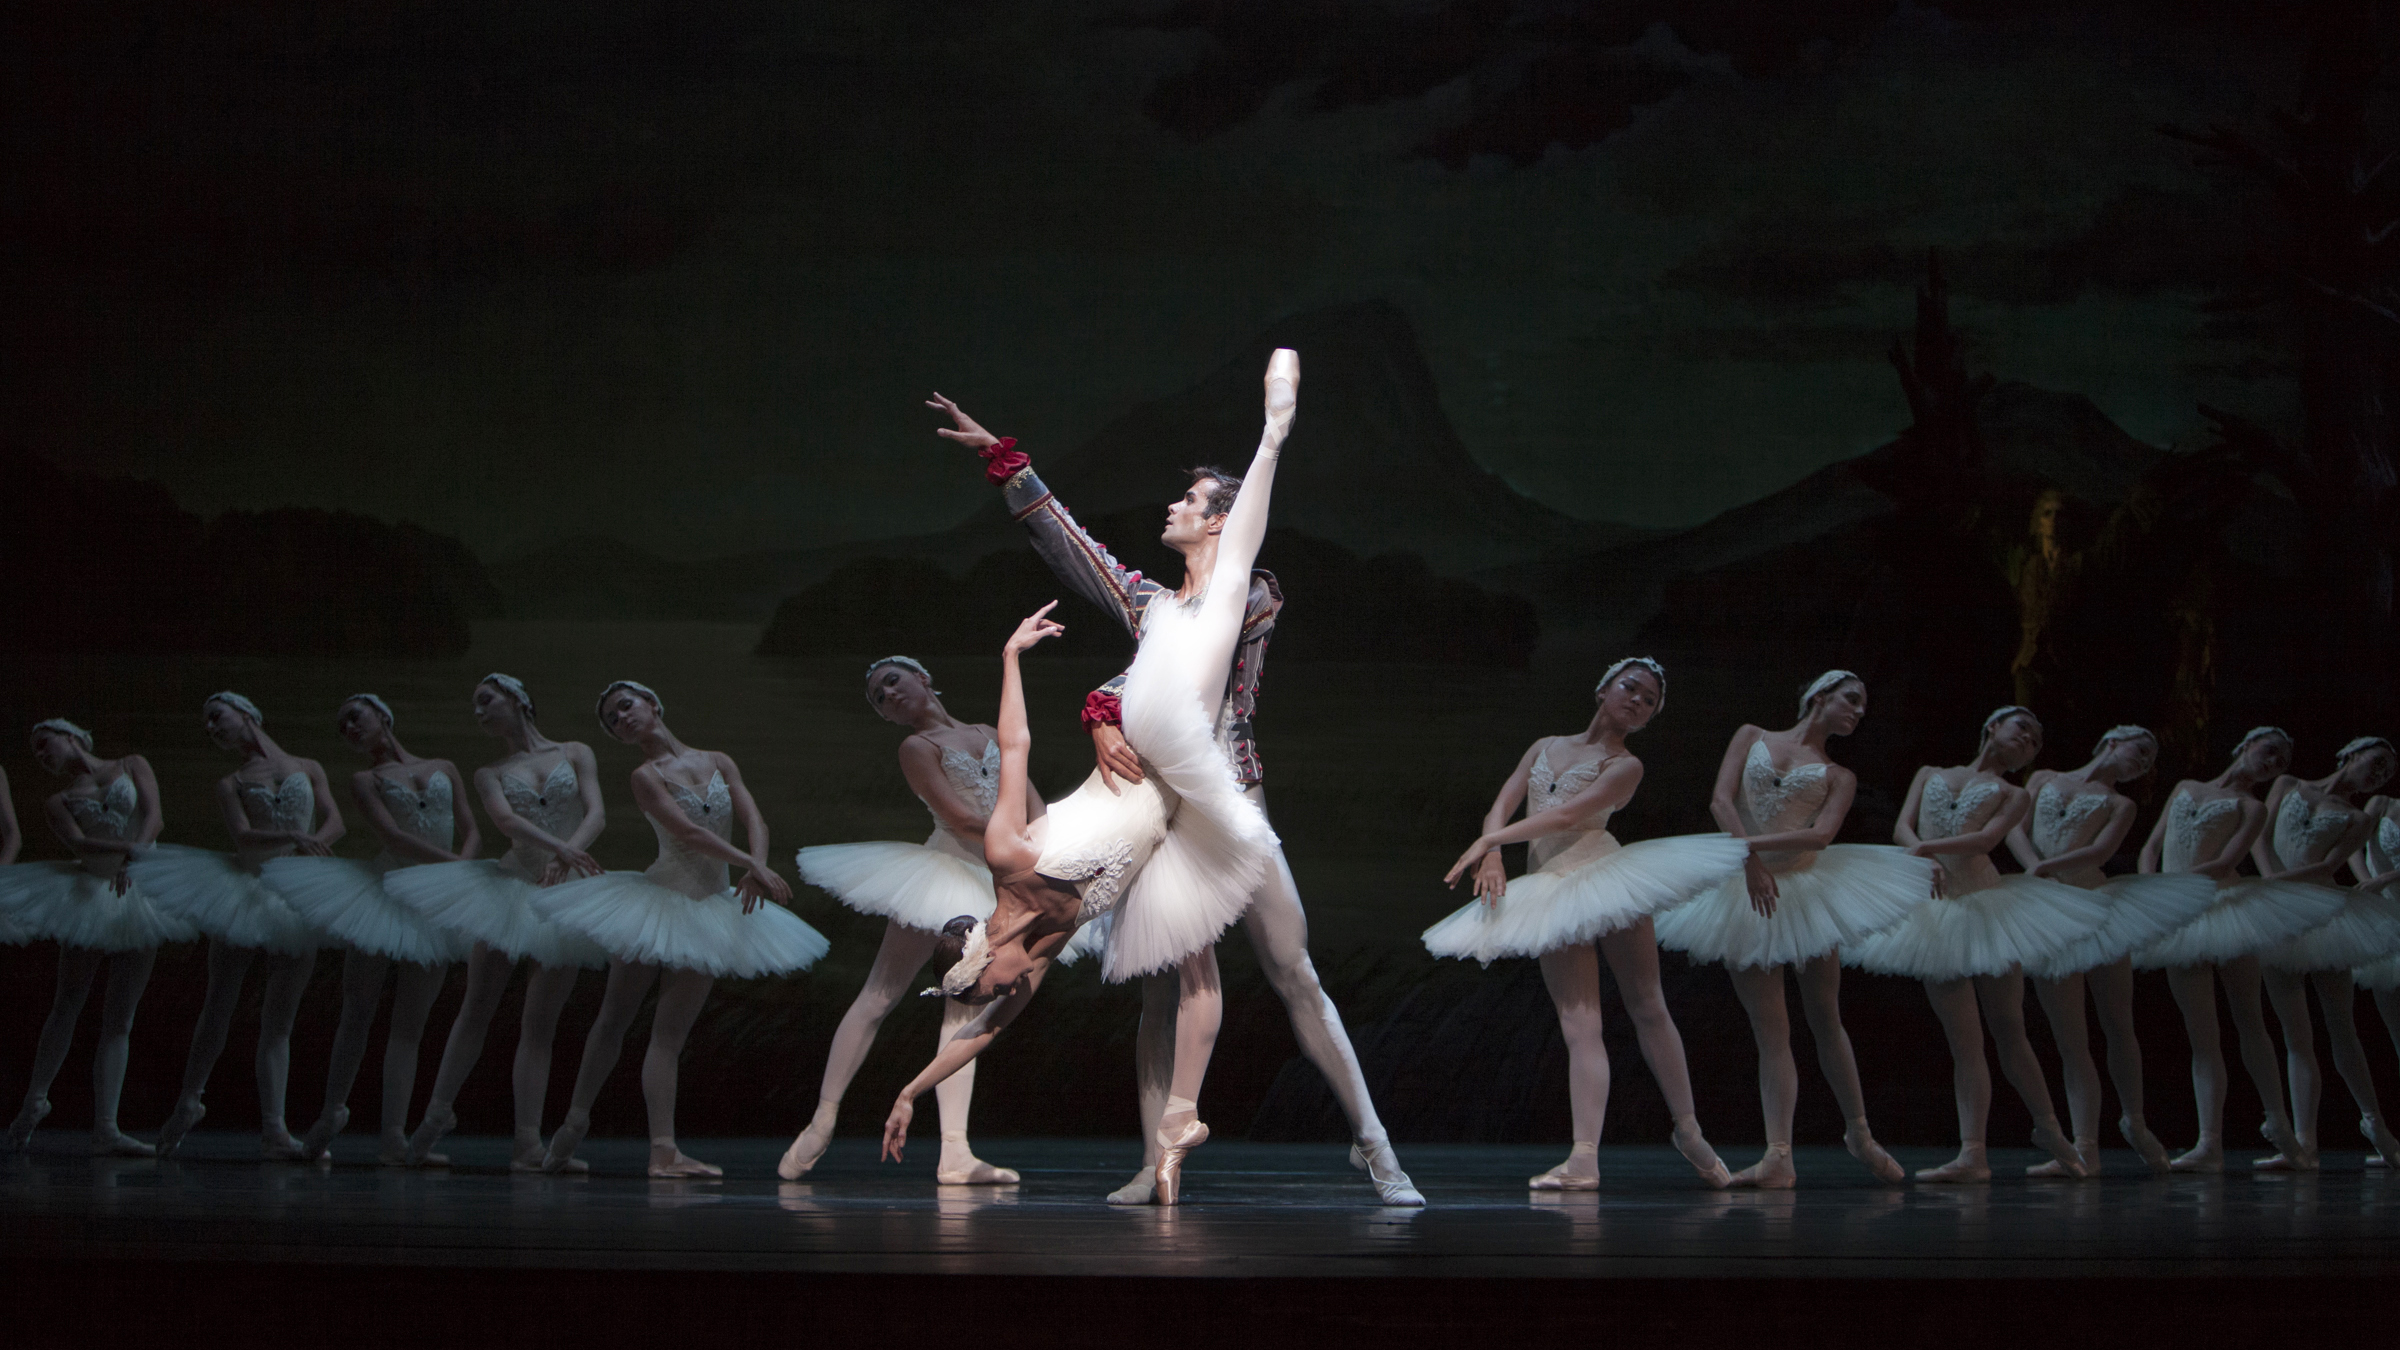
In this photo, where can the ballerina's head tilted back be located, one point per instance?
(62, 748)
(1629, 694)
(900, 690)
(632, 712)
(366, 721)
(2362, 766)
(1833, 704)
(233, 722)
(2261, 756)
(503, 707)
(2012, 739)
(2123, 755)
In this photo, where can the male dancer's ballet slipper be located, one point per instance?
(1139, 1191)
(2387, 1145)
(1861, 1142)
(2206, 1156)
(1171, 1151)
(2153, 1153)
(969, 1169)
(115, 1143)
(1580, 1172)
(1969, 1167)
(1695, 1150)
(2050, 1139)
(20, 1130)
(188, 1113)
(316, 1144)
(1772, 1172)
(438, 1121)
(1382, 1166)
(563, 1143)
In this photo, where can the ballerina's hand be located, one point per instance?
(120, 882)
(1115, 757)
(895, 1128)
(570, 864)
(1491, 880)
(969, 432)
(309, 846)
(1034, 628)
(1763, 890)
(758, 885)
(1474, 854)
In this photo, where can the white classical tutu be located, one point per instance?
(2247, 918)
(1845, 894)
(914, 885)
(2364, 930)
(68, 905)
(2383, 974)
(1217, 845)
(2017, 920)
(345, 899)
(1573, 899)
(2141, 910)
(479, 900)
(215, 894)
(633, 918)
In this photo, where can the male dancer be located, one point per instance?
(1277, 926)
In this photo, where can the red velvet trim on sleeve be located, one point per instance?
(1002, 460)
(1102, 710)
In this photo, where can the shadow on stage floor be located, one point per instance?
(1277, 1243)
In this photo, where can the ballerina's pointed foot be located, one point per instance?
(960, 1167)
(20, 1130)
(2206, 1156)
(807, 1150)
(2088, 1150)
(564, 1142)
(317, 1144)
(529, 1153)
(2050, 1139)
(1967, 1168)
(1172, 1149)
(1139, 1191)
(1772, 1172)
(438, 1121)
(2292, 1153)
(111, 1142)
(2303, 1161)
(1695, 1150)
(668, 1162)
(2387, 1146)
(1861, 1143)
(2153, 1153)
(1580, 1172)
(188, 1113)
(1382, 1166)
(276, 1144)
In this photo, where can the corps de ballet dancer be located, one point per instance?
(1582, 888)
(1799, 898)
(1971, 942)
(677, 926)
(418, 809)
(1173, 858)
(273, 805)
(1274, 920)
(2207, 828)
(544, 796)
(2377, 866)
(92, 908)
(954, 768)
(2319, 829)
(2078, 821)
(12, 840)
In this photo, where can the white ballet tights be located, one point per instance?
(2002, 1001)
(2195, 993)
(1572, 975)
(2338, 996)
(2111, 988)
(1760, 989)
(279, 1008)
(547, 989)
(681, 994)
(904, 952)
(78, 967)
(414, 991)
(2387, 1002)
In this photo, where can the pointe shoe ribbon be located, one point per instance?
(1171, 1151)
(1772, 1172)
(1395, 1190)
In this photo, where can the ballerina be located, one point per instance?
(2378, 865)
(954, 768)
(2317, 831)
(97, 916)
(11, 840)
(273, 805)
(1799, 897)
(2206, 829)
(677, 926)
(2078, 821)
(1970, 943)
(544, 795)
(1584, 887)
(417, 808)
(1187, 858)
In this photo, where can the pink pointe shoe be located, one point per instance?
(1171, 1151)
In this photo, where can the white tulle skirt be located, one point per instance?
(345, 900)
(482, 901)
(633, 918)
(2383, 974)
(215, 894)
(1591, 889)
(2014, 921)
(2364, 930)
(63, 903)
(2247, 918)
(2141, 910)
(1839, 895)
(918, 886)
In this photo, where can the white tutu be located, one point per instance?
(2141, 910)
(633, 918)
(2017, 920)
(1592, 888)
(916, 886)
(1840, 895)
(2364, 930)
(2248, 917)
(345, 899)
(68, 905)
(215, 894)
(482, 901)
(2383, 974)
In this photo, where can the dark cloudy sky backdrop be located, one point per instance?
(678, 272)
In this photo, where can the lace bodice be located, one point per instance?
(421, 815)
(107, 813)
(2304, 833)
(2197, 830)
(2063, 823)
(2383, 848)
(1771, 803)
(1547, 789)
(289, 805)
(680, 867)
(1943, 812)
(555, 807)
(975, 778)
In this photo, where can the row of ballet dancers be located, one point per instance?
(1770, 892)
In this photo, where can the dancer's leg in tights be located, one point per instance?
(955, 1095)
(1153, 1077)
(2003, 1000)
(1199, 1012)
(362, 990)
(2195, 990)
(2289, 994)
(2338, 995)
(1970, 1079)
(128, 974)
(547, 989)
(2387, 1002)
(681, 994)
(226, 966)
(903, 953)
(1572, 975)
(2241, 980)
(2112, 997)
(487, 982)
(2070, 1028)
(1820, 981)
(414, 988)
(1760, 989)
(278, 1009)
(1632, 953)
(628, 984)
(77, 968)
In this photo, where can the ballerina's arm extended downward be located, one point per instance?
(1841, 787)
(2102, 848)
(2275, 867)
(2254, 816)
(569, 857)
(1613, 788)
(366, 790)
(759, 884)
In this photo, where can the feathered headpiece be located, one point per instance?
(1645, 663)
(514, 688)
(376, 702)
(64, 728)
(236, 702)
(600, 709)
(960, 978)
(1818, 687)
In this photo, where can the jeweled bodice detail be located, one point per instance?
(108, 813)
(2063, 823)
(1943, 811)
(2197, 829)
(422, 815)
(976, 778)
(2383, 848)
(1772, 803)
(554, 806)
(681, 867)
(1547, 789)
(289, 805)
(2304, 833)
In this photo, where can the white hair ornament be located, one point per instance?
(376, 702)
(514, 688)
(2361, 746)
(600, 709)
(1645, 663)
(64, 728)
(2000, 715)
(1822, 685)
(2127, 732)
(236, 702)
(960, 979)
(2260, 734)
